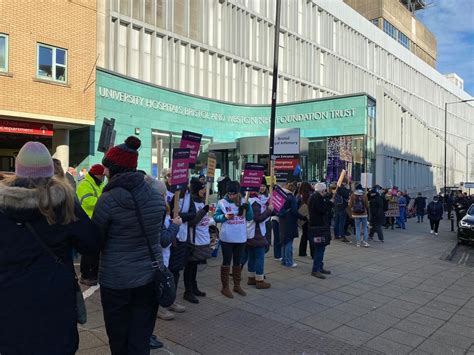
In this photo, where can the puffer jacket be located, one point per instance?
(37, 294)
(125, 261)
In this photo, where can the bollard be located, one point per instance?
(452, 224)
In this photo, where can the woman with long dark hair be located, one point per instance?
(41, 222)
(304, 193)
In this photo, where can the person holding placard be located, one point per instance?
(200, 241)
(180, 249)
(233, 213)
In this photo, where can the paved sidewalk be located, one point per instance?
(398, 297)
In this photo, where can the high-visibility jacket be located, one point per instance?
(88, 192)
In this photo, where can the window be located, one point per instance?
(405, 42)
(375, 21)
(390, 29)
(3, 52)
(52, 63)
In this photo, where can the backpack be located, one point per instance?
(358, 206)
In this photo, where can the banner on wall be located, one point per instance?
(192, 141)
(180, 169)
(287, 141)
(252, 177)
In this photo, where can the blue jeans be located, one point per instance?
(277, 247)
(318, 257)
(287, 254)
(420, 217)
(256, 260)
(401, 218)
(358, 221)
(339, 222)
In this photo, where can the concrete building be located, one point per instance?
(47, 74)
(456, 80)
(397, 19)
(221, 52)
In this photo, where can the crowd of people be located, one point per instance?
(120, 219)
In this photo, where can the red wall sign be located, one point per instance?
(23, 127)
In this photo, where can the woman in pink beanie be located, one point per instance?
(40, 223)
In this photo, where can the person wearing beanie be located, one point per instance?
(234, 214)
(359, 206)
(179, 250)
(319, 207)
(88, 193)
(127, 206)
(257, 241)
(200, 242)
(289, 217)
(41, 222)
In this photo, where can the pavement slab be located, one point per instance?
(397, 297)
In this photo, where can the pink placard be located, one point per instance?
(192, 141)
(278, 198)
(253, 176)
(180, 168)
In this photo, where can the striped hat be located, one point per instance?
(34, 161)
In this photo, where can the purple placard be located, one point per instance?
(278, 198)
(252, 177)
(192, 141)
(180, 168)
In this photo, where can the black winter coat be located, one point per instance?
(289, 216)
(38, 295)
(125, 260)
(376, 207)
(420, 205)
(435, 210)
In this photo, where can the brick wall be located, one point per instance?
(70, 24)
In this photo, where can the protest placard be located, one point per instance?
(252, 177)
(278, 198)
(192, 141)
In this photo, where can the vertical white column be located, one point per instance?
(61, 147)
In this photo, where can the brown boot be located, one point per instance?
(261, 285)
(237, 276)
(251, 281)
(225, 270)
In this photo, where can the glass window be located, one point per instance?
(405, 42)
(159, 61)
(122, 49)
(3, 52)
(195, 20)
(124, 7)
(375, 21)
(160, 13)
(390, 29)
(180, 17)
(52, 63)
(147, 56)
(149, 14)
(138, 9)
(135, 54)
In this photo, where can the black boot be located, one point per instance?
(190, 297)
(194, 285)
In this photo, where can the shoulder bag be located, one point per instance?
(319, 235)
(163, 279)
(80, 304)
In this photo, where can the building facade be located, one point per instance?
(222, 50)
(397, 19)
(47, 74)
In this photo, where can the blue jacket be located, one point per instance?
(435, 210)
(37, 294)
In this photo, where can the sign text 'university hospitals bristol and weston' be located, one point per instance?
(216, 116)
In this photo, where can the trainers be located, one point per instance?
(358, 244)
(436, 233)
(175, 307)
(278, 259)
(432, 231)
(164, 314)
(365, 244)
(293, 265)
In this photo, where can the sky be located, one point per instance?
(452, 23)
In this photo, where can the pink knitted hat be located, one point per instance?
(34, 161)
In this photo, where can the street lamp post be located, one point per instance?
(467, 161)
(446, 137)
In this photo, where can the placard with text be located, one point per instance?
(180, 169)
(252, 177)
(191, 141)
(278, 198)
(211, 167)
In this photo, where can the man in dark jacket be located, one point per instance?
(126, 275)
(341, 200)
(435, 214)
(319, 207)
(377, 214)
(420, 205)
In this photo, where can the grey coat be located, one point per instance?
(125, 260)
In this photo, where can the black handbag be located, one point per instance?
(81, 310)
(319, 235)
(163, 279)
(199, 252)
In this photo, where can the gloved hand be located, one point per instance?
(206, 208)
